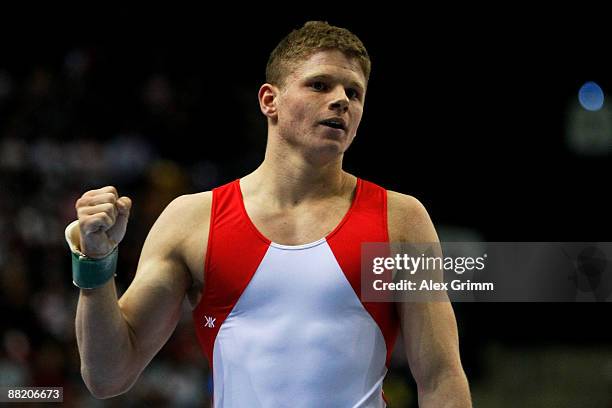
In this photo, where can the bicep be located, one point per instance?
(152, 304)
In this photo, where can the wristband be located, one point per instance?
(90, 273)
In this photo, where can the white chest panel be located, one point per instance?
(299, 337)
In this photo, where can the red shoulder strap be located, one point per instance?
(234, 252)
(367, 222)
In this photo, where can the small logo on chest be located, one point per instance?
(210, 322)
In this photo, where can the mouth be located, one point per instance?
(334, 123)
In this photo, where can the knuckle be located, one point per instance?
(109, 220)
(83, 201)
(109, 211)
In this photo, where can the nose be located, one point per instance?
(340, 101)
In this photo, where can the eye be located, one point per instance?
(318, 86)
(352, 93)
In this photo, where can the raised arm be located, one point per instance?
(429, 329)
(118, 338)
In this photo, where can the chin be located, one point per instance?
(326, 152)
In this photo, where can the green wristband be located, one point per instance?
(89, 273)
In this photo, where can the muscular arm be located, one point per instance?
(429, 329)
(118, 338)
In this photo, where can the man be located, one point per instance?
(270, 262)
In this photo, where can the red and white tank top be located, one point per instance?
(284, 326)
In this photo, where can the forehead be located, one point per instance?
(330, 62)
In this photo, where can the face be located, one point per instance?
(319, 107)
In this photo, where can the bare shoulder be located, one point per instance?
(188, 209)
(190, 218)
(176, 245)
(191, 212)
(178, 222)
(408, 219)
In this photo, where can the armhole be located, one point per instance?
(211, 229)
(385, 215)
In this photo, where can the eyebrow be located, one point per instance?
(328, 77)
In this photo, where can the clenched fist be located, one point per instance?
(103, 218)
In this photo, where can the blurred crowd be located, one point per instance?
(56, 142)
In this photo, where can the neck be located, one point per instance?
(288, 178)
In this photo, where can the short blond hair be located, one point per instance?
(314, 36)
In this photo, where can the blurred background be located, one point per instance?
(480, 118)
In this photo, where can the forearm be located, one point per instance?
(104, 341)
(450, 391)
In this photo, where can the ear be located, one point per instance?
(267, 100)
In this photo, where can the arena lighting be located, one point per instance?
(591, 96)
